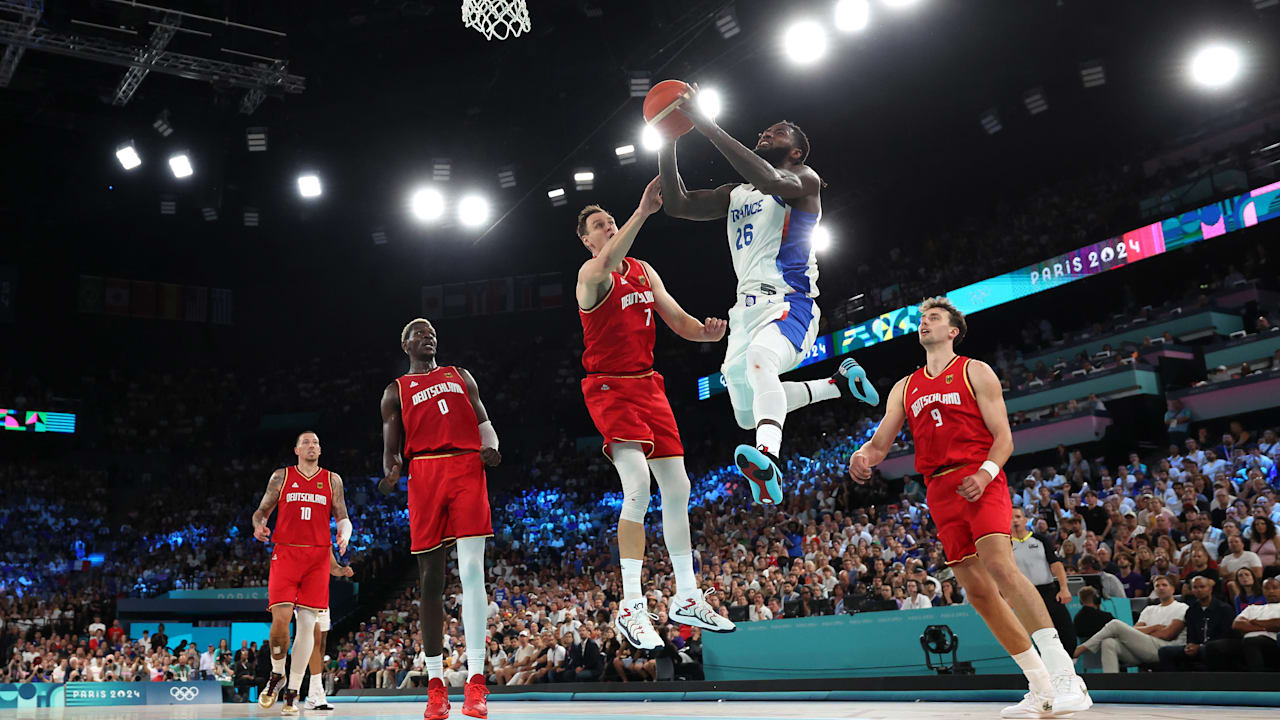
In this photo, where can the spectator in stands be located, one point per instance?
(1264, 542)
(1096, 517)
(1177, 420)
(1207, 619)
(912, 598)
(1090, 618)
(1199, 566)
(1105, 582)
(1257, 651)
(1135, 584)
(1159, 625)
(1239, 559)
(1245, 589)
(242, 674)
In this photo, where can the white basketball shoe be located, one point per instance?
(1070, 695)
(1033, 705)
(635, 623)
(692, 609)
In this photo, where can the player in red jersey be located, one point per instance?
(305, 496)
(955, 409)
(617, 297)
(432, 416)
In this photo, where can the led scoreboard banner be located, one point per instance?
(1225, 216)
(37, 421)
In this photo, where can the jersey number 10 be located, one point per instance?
(744, 236)
(305, 512)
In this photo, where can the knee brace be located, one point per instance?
(634, 473)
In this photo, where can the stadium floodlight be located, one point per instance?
(852, 15)
(427, 204)
(507, 177)
(991, 121)
(584, 180)
(805, 42)
(473, 211)
(626, 154)
(557, 197)
(821, 238)
(309, 185)
(1093, 73)
(709, 102)
(256, 139)
(441, 169)
(128, 156)
(727, 22)
(1215, 66)
(639, 82)
(168, 205)
(650, 138)
(1035, 100)
(180, 164)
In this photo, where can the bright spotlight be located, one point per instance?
(309, 186)
(473, 210)
(181, 166)
(805, 42)
(821, 239)
(852, 15)
(900, 3)
(650, 138)
(128, 157)
(1215, 66)
(709, 102)
(427, 204)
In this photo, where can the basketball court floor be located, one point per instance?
(533, 710)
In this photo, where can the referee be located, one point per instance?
(1040, 564)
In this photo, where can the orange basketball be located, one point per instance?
(658, 110)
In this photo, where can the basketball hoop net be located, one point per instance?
(499, 19)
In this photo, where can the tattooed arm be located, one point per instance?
(269, 500)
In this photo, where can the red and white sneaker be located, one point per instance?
(437, 701)
(475, 703)
(693, 610)
(635, 624)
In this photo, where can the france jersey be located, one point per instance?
(771, 245)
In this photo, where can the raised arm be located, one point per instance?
(594, 274)
(873, 451)
(269, 500)
(488, 437)
(681, 322)
(392, 438)
(689, 204)
(340, 511)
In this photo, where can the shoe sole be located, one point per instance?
(445, 716)
(627, 636)
(474, 714)
(765, 489)
(694, 622)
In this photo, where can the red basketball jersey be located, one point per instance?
(619, 331)
(437, 413)
(302, 514)
(944, 418)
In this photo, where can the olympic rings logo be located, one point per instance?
(184, 693)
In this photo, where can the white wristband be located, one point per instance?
(344, 530)
(991, 468)
(488, 437)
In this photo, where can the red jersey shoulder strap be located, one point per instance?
(964, 372)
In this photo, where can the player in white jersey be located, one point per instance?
(773, 324)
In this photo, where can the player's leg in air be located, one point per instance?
(762, 400)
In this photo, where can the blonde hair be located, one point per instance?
(404, 333)
(957, 317)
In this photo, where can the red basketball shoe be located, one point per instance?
(475, 705)
(437, 701)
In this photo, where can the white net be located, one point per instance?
(500, 19)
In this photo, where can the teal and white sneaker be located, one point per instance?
(859, 386)
(762, 473)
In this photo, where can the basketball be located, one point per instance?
(659, 110)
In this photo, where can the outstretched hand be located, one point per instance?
(693, 110)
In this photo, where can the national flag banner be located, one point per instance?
(116, 298)
(142, 299)
(502, 295)
(432, 301)
(221, 314)
(455, 300)
(478, 298)
(526, 292)
(550, 290)
(169, 301)
(195, 303)
(91, 293)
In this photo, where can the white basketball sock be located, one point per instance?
(1033, 667)
(475, 662)
(435, 667)
(1054, 655)
(631, 579)
(277, 665)
(317, 687)
(800, 394)
(686, 581)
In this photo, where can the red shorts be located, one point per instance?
(299, 576)
(962, 523)
(633, 409)
(448, 499)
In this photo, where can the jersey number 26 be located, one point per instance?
(744, 237)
